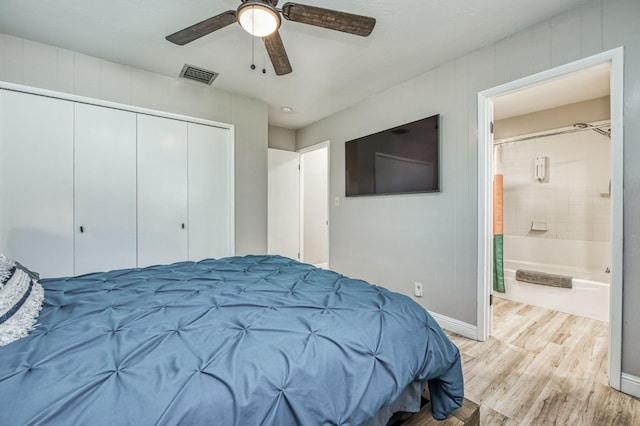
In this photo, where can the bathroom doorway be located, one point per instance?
(552, 193)
(534, 222)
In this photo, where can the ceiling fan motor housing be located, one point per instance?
(272, 3)
(258, 17)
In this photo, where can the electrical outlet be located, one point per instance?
(417, 289)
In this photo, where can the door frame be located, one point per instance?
(485, 194)
(302, 152)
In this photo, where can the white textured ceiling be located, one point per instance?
(331, 70)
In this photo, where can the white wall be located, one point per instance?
(48, 67)
(396, 240)
(570, 199)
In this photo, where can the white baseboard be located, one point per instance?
(630, 385)
(456, 326)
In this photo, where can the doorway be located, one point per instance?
(283, 203)
(298, 204)
(486, 103)
(314, 205)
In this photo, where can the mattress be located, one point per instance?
(236, 341)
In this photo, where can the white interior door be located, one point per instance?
(283, 211)
(210, 193)
(314, 166)
(162, 190)
(36, 182)
(105, 189)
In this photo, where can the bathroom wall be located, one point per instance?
(573, 199)
(597, 109)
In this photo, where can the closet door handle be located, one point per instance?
(183, 226)
(81, 229)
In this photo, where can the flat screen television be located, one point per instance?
(401, 160)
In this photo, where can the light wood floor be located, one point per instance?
(542, 367)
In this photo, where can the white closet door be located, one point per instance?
(36, 182)
(210, 192)
(105, 189)
(162, 190)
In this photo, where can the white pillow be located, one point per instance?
(21, 299)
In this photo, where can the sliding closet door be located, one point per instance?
(162, 190)
(210, 192)
(105, 189)
(36, 182)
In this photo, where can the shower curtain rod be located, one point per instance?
(553, 133)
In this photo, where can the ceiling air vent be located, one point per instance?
(198, 74)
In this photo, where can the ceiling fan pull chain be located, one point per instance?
(253, 46)
(253, 38)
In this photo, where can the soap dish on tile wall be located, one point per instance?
(539, 226)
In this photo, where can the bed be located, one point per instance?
(247, 340)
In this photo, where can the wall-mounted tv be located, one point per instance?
(401, 160)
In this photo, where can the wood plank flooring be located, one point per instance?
(542, 367)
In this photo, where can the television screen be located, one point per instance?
(400, 160)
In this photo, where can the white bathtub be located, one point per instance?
(585, 261)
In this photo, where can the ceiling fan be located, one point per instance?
(261, 18)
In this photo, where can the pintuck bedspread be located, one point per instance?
(236, 341)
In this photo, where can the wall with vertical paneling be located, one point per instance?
(432, 238)
(48, 67)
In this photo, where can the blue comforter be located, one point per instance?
(237, 341)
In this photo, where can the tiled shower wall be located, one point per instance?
(572, 200)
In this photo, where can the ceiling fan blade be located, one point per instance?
(330, 19)
(276, 52)
(203, 28)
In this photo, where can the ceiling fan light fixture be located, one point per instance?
(258, 19)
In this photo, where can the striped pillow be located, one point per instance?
(21, 299)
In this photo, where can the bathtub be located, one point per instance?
(585, 261)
